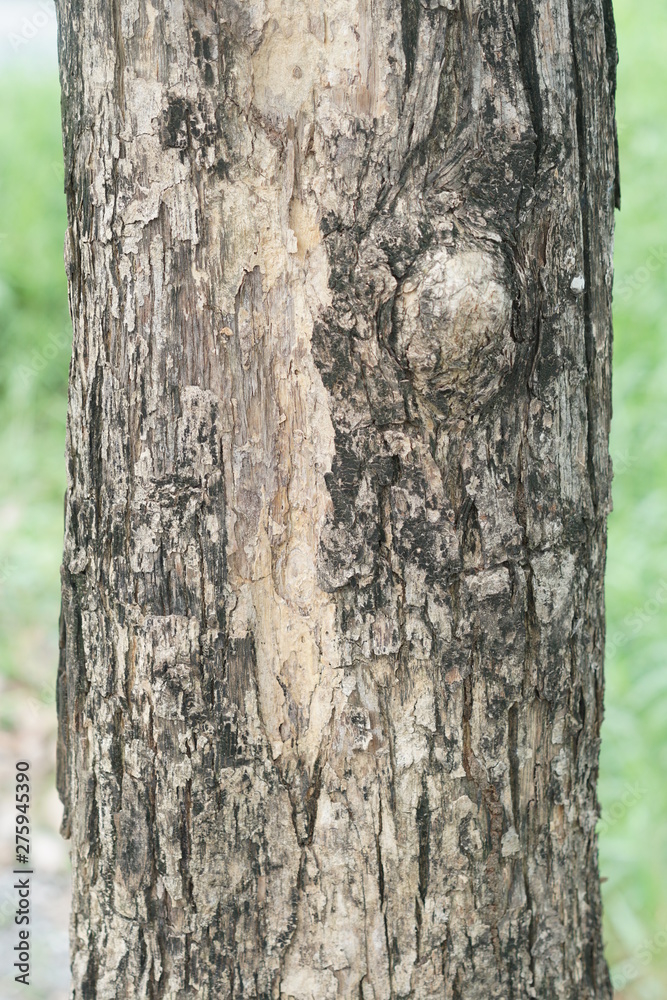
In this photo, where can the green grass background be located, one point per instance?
(34, 353)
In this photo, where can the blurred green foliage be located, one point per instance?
(633, 789)
(35, 339)
(34, 352)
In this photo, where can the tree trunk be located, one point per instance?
(332, 631)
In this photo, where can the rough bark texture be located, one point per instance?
(332, 630)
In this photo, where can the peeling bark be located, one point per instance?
(332, 630)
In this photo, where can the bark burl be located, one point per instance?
(332, 627)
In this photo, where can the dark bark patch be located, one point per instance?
(424, 832)
(176, 124)
(409, 29)
(240, 664)
(525, 17)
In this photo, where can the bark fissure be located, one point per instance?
(528, 62)
(587, 269)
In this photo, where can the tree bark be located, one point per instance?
(332, 625)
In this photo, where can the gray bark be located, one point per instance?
(332, 626)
